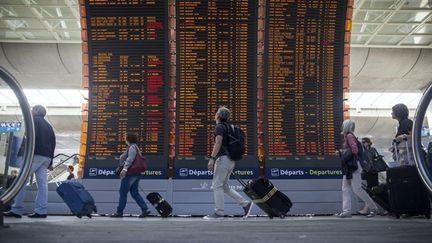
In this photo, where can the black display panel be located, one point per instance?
(304, 74)
(128, 67)
(216, 61)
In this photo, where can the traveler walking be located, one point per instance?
(222, 166)
(351, 181)
(45, 143)
(130, 183)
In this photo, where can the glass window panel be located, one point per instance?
(418, 40)
(425, 29)
(409, 16)
(397, 29)
(386, 40)
(8, 34)
(417, 4)
(355, 39)
(364, 28)
(371, 16)
(381, 4)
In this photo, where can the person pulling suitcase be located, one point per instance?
(222, 162)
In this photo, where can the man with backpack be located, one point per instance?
(228, 147)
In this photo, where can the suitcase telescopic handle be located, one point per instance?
(240, 180)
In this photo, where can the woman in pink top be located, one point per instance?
(351, 181)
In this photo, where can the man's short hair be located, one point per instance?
(223, 113)
(39, 110)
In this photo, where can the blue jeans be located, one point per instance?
(39, 168)
(130, 184)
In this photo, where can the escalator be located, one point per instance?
(16, 139)
(422, 138)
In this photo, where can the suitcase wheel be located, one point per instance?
(271, 217)
(282, 216)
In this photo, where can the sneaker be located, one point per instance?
(344, 215)
(37, 216)
(116, 215)
(362, 213)
(11, 214)
(247, 209)
(144, 214)
(371, 214)
(213, 216)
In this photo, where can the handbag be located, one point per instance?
(348, 160)
(138, 166)
(379, 164)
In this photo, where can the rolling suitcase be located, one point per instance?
(407, 194)
(266, 196)
(380, 195)
(77, 198)
(162, 206)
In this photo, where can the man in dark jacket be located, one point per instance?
(45, 143)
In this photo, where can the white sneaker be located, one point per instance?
(213, 216)
(344, 215)
(247, 209)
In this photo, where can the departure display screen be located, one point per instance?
(216, 51)
(127, 42)
(304, 48)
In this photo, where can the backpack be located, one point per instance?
(236, 142)
(364, 157)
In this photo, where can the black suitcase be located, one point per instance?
(77, 198)
(162, 206)
(266, 196)
(407, 194)
(380, 195)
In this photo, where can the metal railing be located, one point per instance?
(62, 162)
(16, 186)
(420, 160)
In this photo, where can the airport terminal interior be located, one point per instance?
(291, 73)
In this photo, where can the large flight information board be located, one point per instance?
(128, 50)
(216, 51)
(304, 48)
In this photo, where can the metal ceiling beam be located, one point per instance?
(387, 19)
(32, 18)
(391, 46)
(391, 34)
(40, 5)
(73, 9)
(44, 22)
(395, 10)
(417, 28)
(391, 23)
(40, 29)
(358, 7)
(38, 41)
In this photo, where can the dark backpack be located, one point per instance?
(365, 158)
(236, 142)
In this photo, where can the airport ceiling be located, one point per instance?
(376, 23)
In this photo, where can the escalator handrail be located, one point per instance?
(417, 143)
(63, 161)
(57, 165)
(29, 142)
